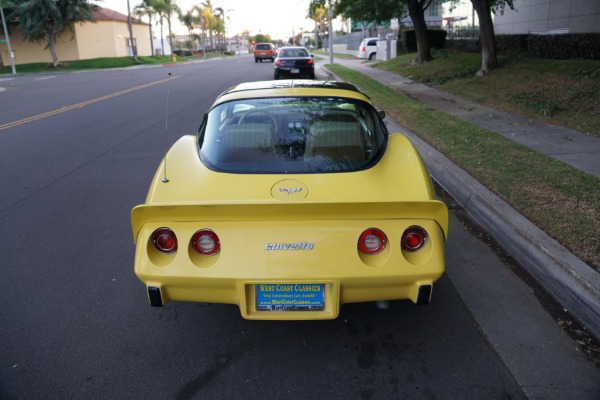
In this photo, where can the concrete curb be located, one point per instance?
(571, 281)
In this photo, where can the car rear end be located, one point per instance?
(297, 262)
(264, 51)
(368, 49)
(294, 68)
(290, 203)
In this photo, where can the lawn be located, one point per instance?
(561, 200)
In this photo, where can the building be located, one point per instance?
(107, 37)
(549, 16)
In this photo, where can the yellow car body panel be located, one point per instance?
(274, 234)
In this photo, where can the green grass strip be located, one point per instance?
(560, 199)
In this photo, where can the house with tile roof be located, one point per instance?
(107, 37)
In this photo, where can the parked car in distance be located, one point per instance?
(264, 51)
(294, 62)
(368, 48)
(291, 200)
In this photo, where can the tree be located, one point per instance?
(188, 21)
(165, 9)
(319, 15)
(44, 20)
(203, 18)
(384, 10)
(210, 20)
(487, 37)
(146, 8)
(220, 26)
(416, 10)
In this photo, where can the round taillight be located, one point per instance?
(413, 238)
(206, 242)
(164, 240)
(372, 241)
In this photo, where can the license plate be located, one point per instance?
(290, 297)
(295, 71)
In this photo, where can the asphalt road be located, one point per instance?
(77, 152)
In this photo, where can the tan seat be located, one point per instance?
(247, 142)
(336, 140)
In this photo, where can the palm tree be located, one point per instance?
(187, 20)
(220, 26)
(165, 9)
(158, 7)
(146, 8)
(204, 19)
(210, 20)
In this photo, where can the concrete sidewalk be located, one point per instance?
(571, 281)
(575, 148)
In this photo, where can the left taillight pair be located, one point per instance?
(373, 240)
(204, 241)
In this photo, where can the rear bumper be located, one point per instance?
(264, 56)
(243, 293)
(287, 72)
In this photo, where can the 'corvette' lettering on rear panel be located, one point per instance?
(289, 246)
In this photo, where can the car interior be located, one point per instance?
(293, 138)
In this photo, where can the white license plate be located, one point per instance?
(295, 71)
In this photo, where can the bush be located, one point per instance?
(437, 39)
(182, 53)
(552, 46)
(564, 47)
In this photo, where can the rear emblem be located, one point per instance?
(289, 190)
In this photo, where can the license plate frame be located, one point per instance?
(295, 297)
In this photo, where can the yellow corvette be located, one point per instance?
(291, 200)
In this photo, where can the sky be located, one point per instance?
(276, 18)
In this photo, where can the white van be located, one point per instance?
(368, 48)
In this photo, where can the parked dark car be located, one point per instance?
(294, 62)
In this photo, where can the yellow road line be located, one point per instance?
(80, 105)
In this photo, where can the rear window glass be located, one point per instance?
(293, 53)
(263, 47)
(292, 135)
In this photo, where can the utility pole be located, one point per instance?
(131, 42)
(10, 52)
(330, 34)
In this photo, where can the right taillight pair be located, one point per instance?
(373, 240)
